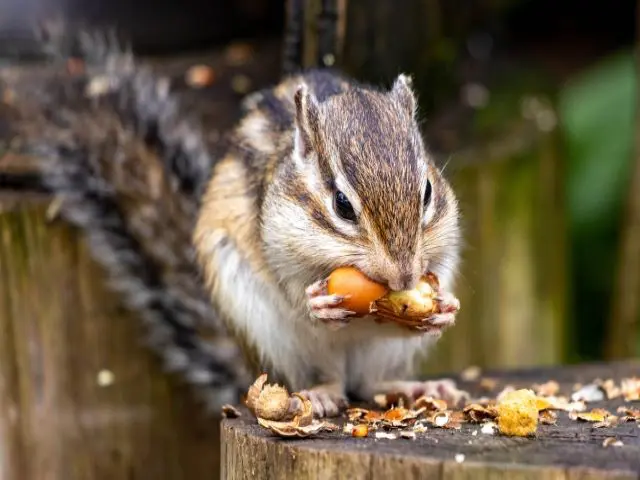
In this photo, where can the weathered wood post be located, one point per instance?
(569, 450)
(80, 397)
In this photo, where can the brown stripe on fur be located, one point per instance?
(326, 173)
(376, 143)
(296, 189)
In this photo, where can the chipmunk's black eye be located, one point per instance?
(427, 194)
(343, 206)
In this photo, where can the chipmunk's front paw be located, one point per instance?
(448, 306)
(325, 307)
(437, 323)
(447, 303)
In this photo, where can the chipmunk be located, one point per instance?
(324, 172)
(225, 257)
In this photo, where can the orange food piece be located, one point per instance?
(359, 289)
(360, 431)
(396, 414)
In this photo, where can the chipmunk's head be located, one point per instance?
(364, 187)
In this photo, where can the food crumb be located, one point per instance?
(548, 417)
(518, 413)
(588, 393)
(630, 389)
(441, 419)
(420, 428)
(105, 378)
(612, 442)
(408, 434)
(360, 431)
(488, 428)
(595, 415)
(547, 389)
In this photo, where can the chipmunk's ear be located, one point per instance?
(307, 119)
(402, 92)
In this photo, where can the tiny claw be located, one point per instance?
(326, 307)
(447, 303)
(325, 401)
(324, 302)
(441, 319)
(316, 289)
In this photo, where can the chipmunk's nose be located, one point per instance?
(402, 281)
(397, 274)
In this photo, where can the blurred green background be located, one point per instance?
(597, 110)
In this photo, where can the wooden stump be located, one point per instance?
(570, 450)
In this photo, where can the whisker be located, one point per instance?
(446, 164)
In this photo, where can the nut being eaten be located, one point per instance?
(364, 296)
(410, 307)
